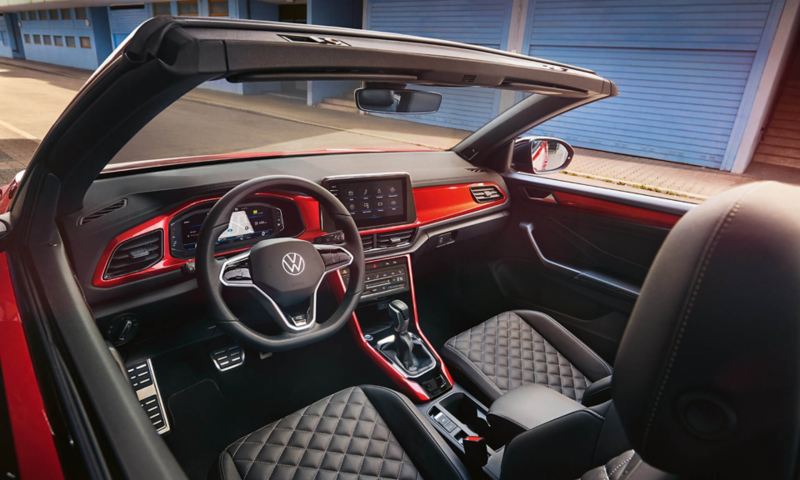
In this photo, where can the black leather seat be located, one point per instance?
(524, 347)
(360, 432)
(706, 379)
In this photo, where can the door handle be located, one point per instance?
(597, 279)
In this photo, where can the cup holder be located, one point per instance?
(460, 416)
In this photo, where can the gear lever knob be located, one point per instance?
(399, 314)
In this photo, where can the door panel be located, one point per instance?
(580, 253)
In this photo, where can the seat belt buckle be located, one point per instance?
(476, 453)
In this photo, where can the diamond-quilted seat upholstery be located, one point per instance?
(523, 347)
(360, 432)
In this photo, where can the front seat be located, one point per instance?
(359, 432)
(524, 347)
(707, 378)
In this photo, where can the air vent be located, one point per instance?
(485, 194)
(103, 211)
(368, 241)
(135, 255)
(477, 170)
(394, 239)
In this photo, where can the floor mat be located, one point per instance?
(203, 422)
(209, 409)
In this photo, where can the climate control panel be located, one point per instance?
(383, 278)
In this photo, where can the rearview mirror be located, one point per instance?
(541, 155)
(386, 100)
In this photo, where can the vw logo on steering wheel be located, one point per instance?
(293, 263)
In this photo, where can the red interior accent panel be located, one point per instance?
(33, 440)
(409, 386)
(442, 202)
(433, 204)
(307, 206)
(628, 212)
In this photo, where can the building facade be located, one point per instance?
(695, 78)
(699, 81)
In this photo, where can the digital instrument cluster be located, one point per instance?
(249, 222)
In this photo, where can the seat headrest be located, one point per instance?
(707, 375)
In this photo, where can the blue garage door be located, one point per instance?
(479, 22)
(683, 69)
(123, 19)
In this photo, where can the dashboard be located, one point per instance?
(142, 226)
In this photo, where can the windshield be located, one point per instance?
(289, 117)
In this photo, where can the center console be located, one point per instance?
(386, 327)
(385, 323)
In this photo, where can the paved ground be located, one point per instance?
(33, 95)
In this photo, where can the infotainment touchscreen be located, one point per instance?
(375, 201)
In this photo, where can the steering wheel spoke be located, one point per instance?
(334, 257)
(235, 271)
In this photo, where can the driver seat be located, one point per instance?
(359, 432)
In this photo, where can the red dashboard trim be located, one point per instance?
(443, 202)
(628, 212)
(433, 204)
(33, 438)
(307, 206)
(411, 388)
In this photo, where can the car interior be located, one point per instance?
(240, 318)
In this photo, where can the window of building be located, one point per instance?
(80, 13)
(47, 39)
(58, 40)
(37, 39)
(218, 8)
(43, 15)
(23, 15)
(70, 41)
(187, 8)
(3, 37)
(86, 42)
(53, 14)
(27, 38)
(66, 14)
(162, 8)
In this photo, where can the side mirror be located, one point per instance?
(385, 100)
(541, 155)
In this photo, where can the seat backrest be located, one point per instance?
(707, 375)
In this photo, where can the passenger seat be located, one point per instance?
(524, 347)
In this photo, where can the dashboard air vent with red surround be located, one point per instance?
(394, 239)
(397, 238)
(368, 241)
(135, 255)
(484, 194)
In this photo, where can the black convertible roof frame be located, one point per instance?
(166, 57)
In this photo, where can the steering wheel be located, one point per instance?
(285, 273)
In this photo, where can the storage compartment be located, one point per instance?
(468, 412)
(460, 415)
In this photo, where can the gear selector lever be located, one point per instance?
(400, 315)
